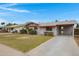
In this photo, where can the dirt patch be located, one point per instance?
(23, 38)
(5, 33)
(9, 35)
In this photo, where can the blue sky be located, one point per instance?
(38, 12)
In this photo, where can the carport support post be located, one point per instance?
(73, 32)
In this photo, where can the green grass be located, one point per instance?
(23, 42)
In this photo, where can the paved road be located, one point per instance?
(58, 46)
(7, 51)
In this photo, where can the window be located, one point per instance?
(62, 27)
(48, 28)
(62, 32)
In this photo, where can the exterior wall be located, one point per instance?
(40, 31)
(18, 29)
(54, 30)
(9, 29)
(68, 30)
(31, 25)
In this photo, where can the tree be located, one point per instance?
(9, 24)
(14, 24)
(77, 25)
(2, 23)
(56, 20)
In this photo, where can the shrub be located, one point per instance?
(23, 31)
(48, 33)
(31, 31)
(76, 31)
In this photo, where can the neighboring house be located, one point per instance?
(31, 25)
(57, 28)
(13, 28)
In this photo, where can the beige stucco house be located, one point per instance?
(58, 28)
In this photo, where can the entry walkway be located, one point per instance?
(57, 46)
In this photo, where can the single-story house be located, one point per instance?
(57, 28)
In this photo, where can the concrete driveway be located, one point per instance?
(57, 46)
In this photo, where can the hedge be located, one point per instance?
(23, 31)
(31, 31)
(76, 31)
(48, 33)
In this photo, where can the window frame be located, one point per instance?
(48, 28)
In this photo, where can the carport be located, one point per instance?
(65, 29)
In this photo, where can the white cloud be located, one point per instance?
(11, 4)
(8, 5)
(4, 7)
(16, 10)
(34, 20)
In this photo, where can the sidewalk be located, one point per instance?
(7, 51)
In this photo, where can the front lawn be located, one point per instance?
(23, 42)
